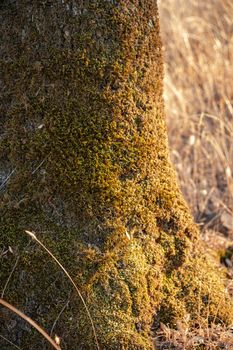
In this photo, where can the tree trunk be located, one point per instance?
(84, 163)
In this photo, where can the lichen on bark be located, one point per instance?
(84, 130)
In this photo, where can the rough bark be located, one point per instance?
(84, 163)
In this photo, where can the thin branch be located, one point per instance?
(31, 322)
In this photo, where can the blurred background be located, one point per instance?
(198, 48)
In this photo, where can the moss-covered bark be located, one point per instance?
(84, 163)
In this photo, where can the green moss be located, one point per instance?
(196, 291)
(86, 135)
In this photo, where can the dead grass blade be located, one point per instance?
(33, 236)
(59, 315)
(31, 322)
(10, 342)
(8, 280)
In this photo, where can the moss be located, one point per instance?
(86, 135)
(196, 291)
(36, 287)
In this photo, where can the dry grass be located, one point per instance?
(198, 44)
(31, 322)
(214, 337)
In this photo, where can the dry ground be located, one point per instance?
(198, 49)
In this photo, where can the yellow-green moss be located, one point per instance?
(86, 135)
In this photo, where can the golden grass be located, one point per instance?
(198, 44)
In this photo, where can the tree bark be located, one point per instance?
(85, 164)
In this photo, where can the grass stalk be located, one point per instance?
(31, 322)
(33, 236)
